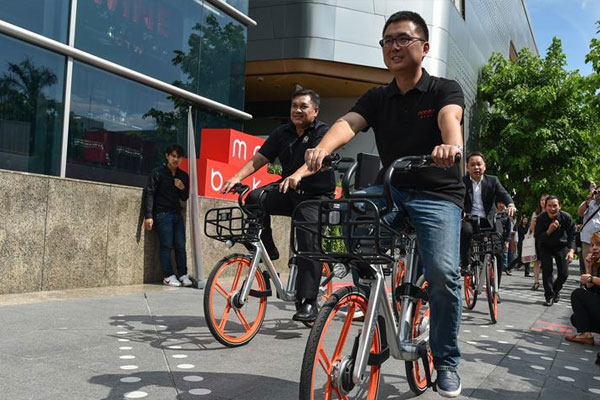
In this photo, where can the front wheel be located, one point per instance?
(491, 289)
(416, 370)
(329, 358)
(230, 325)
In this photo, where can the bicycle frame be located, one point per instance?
(401, 347)
(260, 253)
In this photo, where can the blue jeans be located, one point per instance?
(437, 224)
(171, 235)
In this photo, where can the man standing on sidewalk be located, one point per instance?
(167, 187)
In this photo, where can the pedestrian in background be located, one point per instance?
(585, 300)
(590, 223)
(167, 188)
(555, 231)
(537, 263)
(521, 230)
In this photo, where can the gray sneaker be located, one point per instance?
(448, 383)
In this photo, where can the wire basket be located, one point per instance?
(354, 225)
(231, 223)
(486, 243)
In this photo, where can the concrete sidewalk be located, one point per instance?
(152, 342)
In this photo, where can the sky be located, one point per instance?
(572, 21)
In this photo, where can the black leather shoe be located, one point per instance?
(307, 313)
(557, 297)
(448, 383)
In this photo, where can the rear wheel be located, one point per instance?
(328, 358)
(490, 289)
(325, 291)
(230, 325)
(470, 288)
(416, 370)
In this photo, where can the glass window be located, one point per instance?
(46, 17)
(31, 107)
(119, 129)
(188, 43)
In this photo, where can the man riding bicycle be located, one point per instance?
(418, 114)
(483, 192)
(288, 143)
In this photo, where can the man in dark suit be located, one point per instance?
(482, 194)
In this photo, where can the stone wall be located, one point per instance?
(64, 234)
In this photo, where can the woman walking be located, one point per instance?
(537, 263)
(555, 232)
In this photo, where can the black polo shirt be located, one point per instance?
(285, 144)
(407, 125)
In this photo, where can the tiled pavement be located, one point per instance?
(152, 342)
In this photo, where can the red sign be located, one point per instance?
(228, 146)
(222, 153)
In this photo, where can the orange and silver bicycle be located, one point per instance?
(481, 273)
(236, 292)
(343, 357)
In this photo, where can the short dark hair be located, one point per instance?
(408, 16)
(552, 197)
(175, 148)
(314, 96)
(475, 154)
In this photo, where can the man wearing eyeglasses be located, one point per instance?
(418, 114)
(288, 143)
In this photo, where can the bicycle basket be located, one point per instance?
(486, 243)
(347, 231)
(230, 223)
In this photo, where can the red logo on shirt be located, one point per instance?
(426, 113)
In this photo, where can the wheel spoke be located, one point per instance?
(344, 333)
(224, 317)
(236, 280)
(221, 290)
(324, 360)
(242, 319)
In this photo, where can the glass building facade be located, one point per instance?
(114, 129)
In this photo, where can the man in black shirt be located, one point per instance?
(418, 114)
(288, 144)
(167, 187)
(555, 232)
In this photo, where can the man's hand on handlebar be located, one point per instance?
(291, 182)
(229, 184)
(314, 158)
(444, 154)
(511, 210)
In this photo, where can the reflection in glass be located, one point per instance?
(151, 36)
(31, 107)
(119, 129)
(241, 5)
(110, 138)
(46, 17)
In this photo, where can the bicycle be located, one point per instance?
(241, 283)
(482, 267)
(340, 359)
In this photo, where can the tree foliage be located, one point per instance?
(539, 125)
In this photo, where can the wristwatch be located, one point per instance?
(591, 279)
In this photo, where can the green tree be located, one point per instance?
(538, 126)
